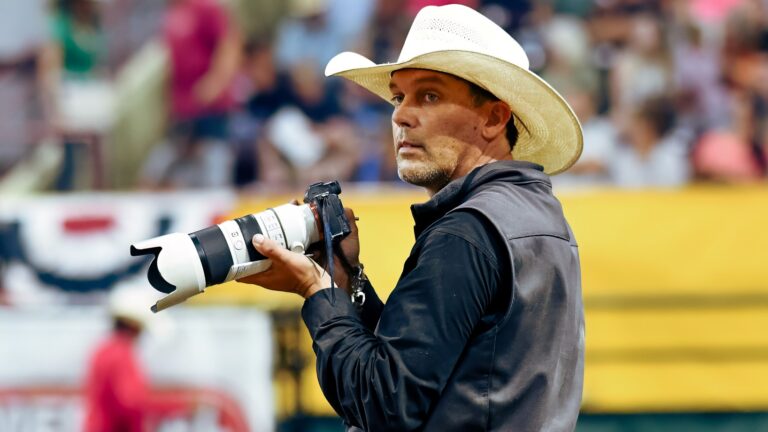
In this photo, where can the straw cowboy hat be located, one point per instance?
(457, 40)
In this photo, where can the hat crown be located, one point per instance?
(459, 28)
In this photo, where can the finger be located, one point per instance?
(270, 248)
(256, 279)
(350, 214)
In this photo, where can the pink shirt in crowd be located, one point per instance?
(193, 29)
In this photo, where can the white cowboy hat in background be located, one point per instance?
(132, 304)
(460, 41)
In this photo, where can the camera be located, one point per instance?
(185, 264)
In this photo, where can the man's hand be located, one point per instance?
(290, 271)
(350, 247)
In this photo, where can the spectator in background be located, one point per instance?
(722, 156)
(351, 18)
(643, 70)
(117, 394)
(310, 139)
(600, 140)
(28, 79)
(506, 14)
(371, 116)
(569, 70)
(566, 43)
(263, 91)
(655, 153)
(86, 102)
(726, 153)
(386, 32)
(308, 36)
(745, 54)
(698, 79)
(294, 132)
(205, 51)
(81, 40)
(270, 88)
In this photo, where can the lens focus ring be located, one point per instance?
(249, 226)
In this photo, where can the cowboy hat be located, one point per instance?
(131, 304)
(458, 40)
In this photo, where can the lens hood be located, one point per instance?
(175, 270)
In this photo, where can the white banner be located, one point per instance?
(69, 248)
(221, 354)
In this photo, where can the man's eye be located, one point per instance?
(397, 99)
(431, 97)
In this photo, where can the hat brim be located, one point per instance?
(549, 132)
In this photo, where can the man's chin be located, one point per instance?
(410, 171)
(419, 173)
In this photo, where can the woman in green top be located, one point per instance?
(77, 29)
(85, 95)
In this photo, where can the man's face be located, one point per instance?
(436, 127)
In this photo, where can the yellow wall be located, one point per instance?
(676, 295)
(675, 287)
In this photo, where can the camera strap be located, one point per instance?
(328, 242)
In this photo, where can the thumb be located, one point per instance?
(269, 248)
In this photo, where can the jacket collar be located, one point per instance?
(457, 191)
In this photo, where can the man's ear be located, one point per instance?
(499, 114)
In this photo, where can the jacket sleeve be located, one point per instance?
(389, 380)
(371, 310)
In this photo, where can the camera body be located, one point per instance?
(185, 264)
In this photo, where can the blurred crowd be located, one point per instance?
(667, 91)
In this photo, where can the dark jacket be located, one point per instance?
(485, 328)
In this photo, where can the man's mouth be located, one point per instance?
(407, 145)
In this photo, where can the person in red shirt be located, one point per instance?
(204, 49)
(117, 393)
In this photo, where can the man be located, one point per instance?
(484, 330)
(117, 394)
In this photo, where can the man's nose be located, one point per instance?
(404, 115)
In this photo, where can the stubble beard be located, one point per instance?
(423, 173)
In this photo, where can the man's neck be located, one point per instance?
(483, 159)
